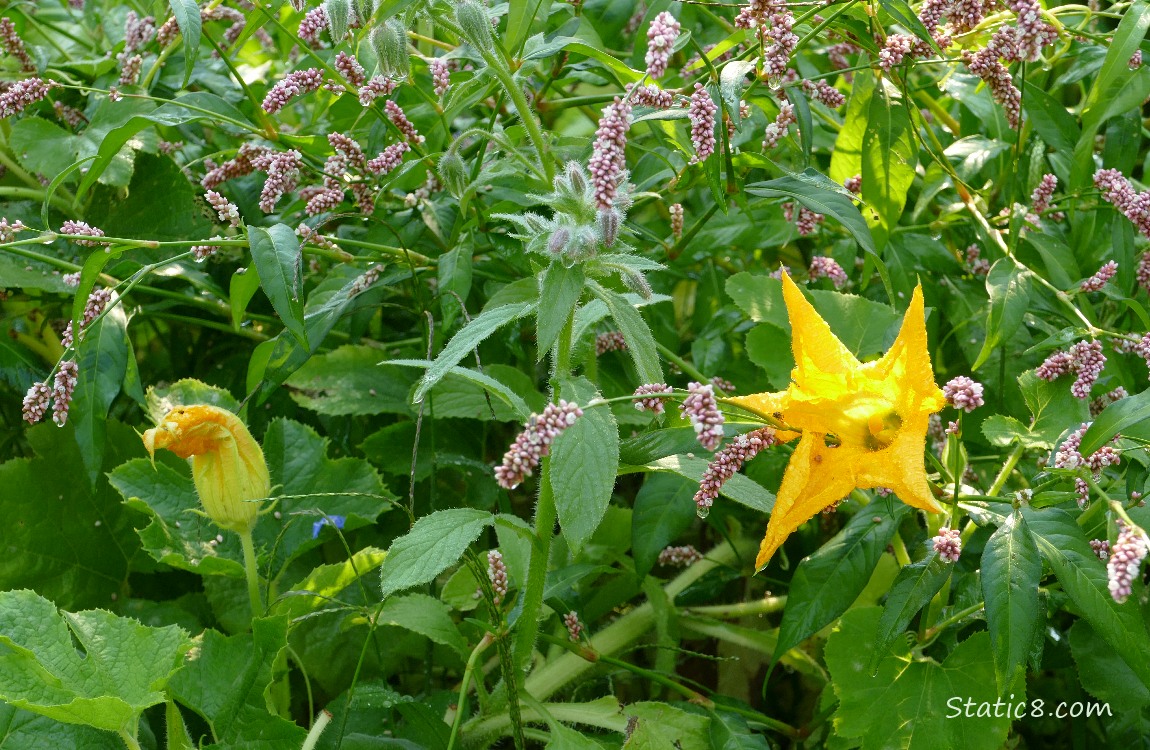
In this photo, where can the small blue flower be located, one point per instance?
(336, 521)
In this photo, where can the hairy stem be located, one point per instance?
(251, 572)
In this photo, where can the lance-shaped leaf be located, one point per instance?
(1011, 571)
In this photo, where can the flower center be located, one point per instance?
(870, 422)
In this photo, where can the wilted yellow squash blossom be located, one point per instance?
(228, 465)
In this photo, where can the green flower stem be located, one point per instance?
(251, 573)
(568, 667)
(658, 678)
(1004, 474)
(464, 686)
(557, 674)
(683, 365)
(931, 633)
(527, 628)
(765, 606)
(900, 553)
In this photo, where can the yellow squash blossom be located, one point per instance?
(862, 425)
(228, 466)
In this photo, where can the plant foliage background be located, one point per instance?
(387, 233)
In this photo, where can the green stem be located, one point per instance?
(129, 740)
(765, 606)
(251, 572)
(685, 366)
(464, 686)
(956, 617)
(528, 625)
(317, 728)
(1004, 474)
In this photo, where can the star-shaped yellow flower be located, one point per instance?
(863, 425)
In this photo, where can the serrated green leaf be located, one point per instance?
(1002, 430)
(1083, 577)
(122, 670)
(828, 581)
(659, 726)
(664, 509)
(435, 543)
(425, 615)
(561, 287)
(922, 702)
(24, 730)
(1011, 572)
(454, 274)
(481, 326)
(1104, 674)
(276, 253)
(226, 682)
(584, 462)
(915, 585)
(42, 146)
(729, 731)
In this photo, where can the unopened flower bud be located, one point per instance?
(452, 173)
(558, 241)
(609, 226)
(475, 23)
(390, 44)
(228, 466)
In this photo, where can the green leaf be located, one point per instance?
(227, 682)
(1052, 406)
(187, 15)
(1049, 118)
(454, 275)
(241, 289)
(435, 543)
(426, 616)
(461, 376)
(481, 326)
(161, 399)
(324, 583)
(124, 122)
(1114, 419)
(520, 15)
(1083, 577)
(864, 326)
(889, 157)
(276, 253)
(1105, 98)
(739, 488)
(561, 287)
(122, 670)
(1011, 573)
(1103, 673)
(102, 356)
(818, 193)
(161, 204)
(828, 581)
(732, 79)
(1001, 431)
(915, 585)
(1009, 300)
(640, 341)
(68, 540)
(43, 146)
(659, 726)
(349, 380)
(565, 738)
(664, 509)
(922, 702)
(24, 730)
(769, 347)
(729, 731)
(909, 20)
(846, 157)
(584, 462)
